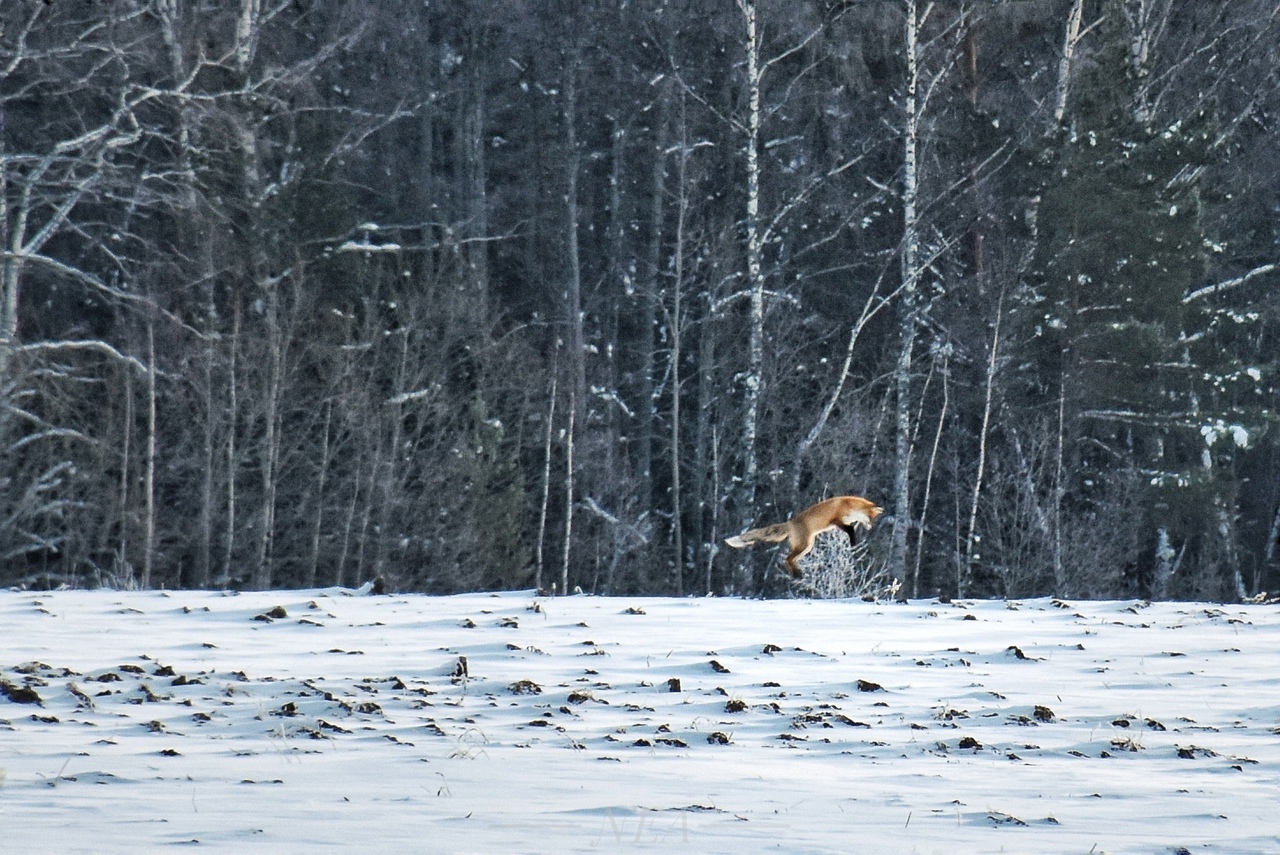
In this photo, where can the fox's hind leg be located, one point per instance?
(798, 551)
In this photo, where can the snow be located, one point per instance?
(338, 726)
(1220, 429)
(366, 247)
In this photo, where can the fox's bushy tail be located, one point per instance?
(768, 534)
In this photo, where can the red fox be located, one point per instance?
(840, 512)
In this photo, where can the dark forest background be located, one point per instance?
(469, 294)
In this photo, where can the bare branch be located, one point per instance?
(96, 345)
(1229, 284)
(794, 49)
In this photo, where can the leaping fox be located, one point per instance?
(846, 513)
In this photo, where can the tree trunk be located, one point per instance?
(1059, 493)
(349, 521)
(706, 457)
(568, 498)
(149, 476)
(1143, 27)
(272, 394)
(126, 476)
(755, 275)
(208, 458)
(614, 484)
(10, 242)
(1069, 40)
(676, 325)
(907, 306)
(368, 507)
(322, 476)
(651, 297)
(928, 481)
(1273, 539)
(233, 418)
(971, 555)
(388, 494)
(546, 477)
(476, 168)
(573, 295)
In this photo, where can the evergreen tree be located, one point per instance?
(1120, 244)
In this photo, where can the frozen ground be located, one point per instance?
(140, 721)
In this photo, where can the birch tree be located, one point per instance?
(908, 305)
(50, 173)
(752, 377)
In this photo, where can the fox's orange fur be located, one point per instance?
(845, 513)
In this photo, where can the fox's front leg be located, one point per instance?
(852, 531)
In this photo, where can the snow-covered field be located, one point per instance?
(504, 723)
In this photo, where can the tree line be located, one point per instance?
(561, 293)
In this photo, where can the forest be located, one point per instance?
(455, 295)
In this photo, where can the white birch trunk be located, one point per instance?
(653, 304)
(755, 277)
(1059, 492)
(546, 478)
(676, 329)
(126, 444)
(907, 307)
(204, 557)
(1144, 28)
(476, 168)
(933, 462)
(10, 242)
(573, 301)
(1069, 41)
(568, 498)
(271, 441)
(577, 336)
(971, 553)
(233, 414)
(149, 476)
(247, 33)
